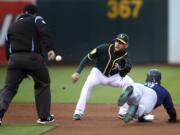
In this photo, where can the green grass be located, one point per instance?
(61, 77)
(26, 129)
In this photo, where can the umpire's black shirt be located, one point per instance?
(24, 35)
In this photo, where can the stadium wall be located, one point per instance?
(174, 32)
(78, 26)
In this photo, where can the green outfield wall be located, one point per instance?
(80, 25)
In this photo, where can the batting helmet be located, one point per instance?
(153, 76)
(122, 38)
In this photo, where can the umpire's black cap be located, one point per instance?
(30, 9)
(122, 38)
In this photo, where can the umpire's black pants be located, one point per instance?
(19, 66)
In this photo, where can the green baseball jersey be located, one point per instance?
(107, 60)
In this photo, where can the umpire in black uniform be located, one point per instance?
(24, 43)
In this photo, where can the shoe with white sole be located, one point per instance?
(47, 120)
(76, 117)
(121, 116)
(146, 118)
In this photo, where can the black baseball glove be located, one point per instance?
(124, 66)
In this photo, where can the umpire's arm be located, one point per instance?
(7, 44)
(46, 38)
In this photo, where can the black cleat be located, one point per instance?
(49, 119)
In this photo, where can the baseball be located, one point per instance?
(58, 58)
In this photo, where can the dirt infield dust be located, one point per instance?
(100, 119)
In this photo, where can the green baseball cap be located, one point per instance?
(122, 38)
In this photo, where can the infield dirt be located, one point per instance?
(100, 119)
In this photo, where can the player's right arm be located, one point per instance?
(75, 76)
(89, 57)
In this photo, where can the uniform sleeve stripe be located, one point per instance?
(38, 17)
(89, 57)
(6, 38)
(33, 46)
(10, 49)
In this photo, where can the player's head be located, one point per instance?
(121, 42)
(153, 76)
(122, 38)
(30, 9)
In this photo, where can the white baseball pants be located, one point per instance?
(97, 78)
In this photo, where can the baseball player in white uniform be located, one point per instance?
(111, 66)
(142, 99)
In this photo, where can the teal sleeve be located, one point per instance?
(82, 64)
